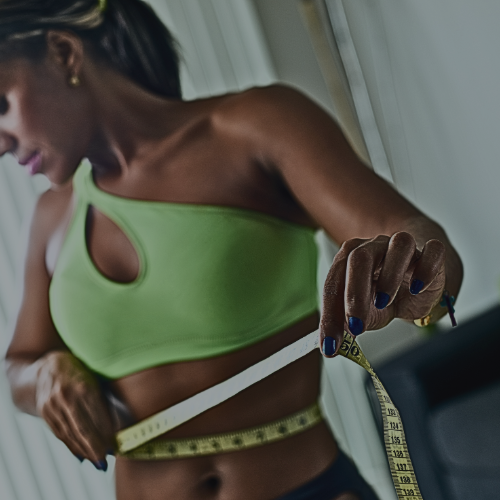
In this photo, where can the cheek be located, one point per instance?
(49, 120)
(27, 116)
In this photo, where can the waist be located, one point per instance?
(285, 392)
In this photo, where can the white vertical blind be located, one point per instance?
(359, 91)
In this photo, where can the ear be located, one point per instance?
(66, 50)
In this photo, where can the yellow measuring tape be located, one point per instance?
(230, 441)
(400, 464)
(132, 442)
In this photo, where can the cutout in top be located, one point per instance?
(110, 249)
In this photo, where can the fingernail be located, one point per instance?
(381, 300)
(97, 465)
(110, 452)
(103, 465)
(355, 325)
(329, 346)
(416, 287)
(80, 458)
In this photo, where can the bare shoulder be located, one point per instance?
(259, 114)
(262, 103)
(276, 94)
(274, 118)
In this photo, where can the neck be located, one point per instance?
(129, 122)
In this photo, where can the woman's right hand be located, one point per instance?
(69, 399)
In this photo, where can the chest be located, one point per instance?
(218, 274)
(204, 174)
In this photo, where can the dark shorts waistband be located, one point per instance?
(341, 477)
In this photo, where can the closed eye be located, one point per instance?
(4, 105)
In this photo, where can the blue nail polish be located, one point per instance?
(103, 465)
(80, 458)
(355, 325)
(381, 300)
(329, 346)
(110, 452)
(97, 465)
(416, 287)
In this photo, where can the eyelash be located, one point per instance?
(4, 105)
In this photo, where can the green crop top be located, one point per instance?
(212, 280)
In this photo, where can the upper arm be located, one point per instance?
(35, 333)
(300, 141)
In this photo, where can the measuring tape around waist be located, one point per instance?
(230, 441)
(402, 472)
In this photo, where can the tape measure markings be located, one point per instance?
(231, 441)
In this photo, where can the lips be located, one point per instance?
(33, 163)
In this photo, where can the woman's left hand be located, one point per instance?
(373, 281)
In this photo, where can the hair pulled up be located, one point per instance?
(126, 34)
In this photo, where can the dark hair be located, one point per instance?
(127, 34)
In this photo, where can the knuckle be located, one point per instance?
(360, 254)
(333, 286)
(381, 238)
(403, 239)
(349, 245)
(436, 246)
(80, 389)
(66, 393)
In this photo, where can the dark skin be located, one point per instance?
(270, 150)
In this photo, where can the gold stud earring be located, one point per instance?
(75, 81)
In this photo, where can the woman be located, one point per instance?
(183, 253)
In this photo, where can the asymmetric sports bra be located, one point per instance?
(212, 280)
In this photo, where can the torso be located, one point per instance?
(205, 163)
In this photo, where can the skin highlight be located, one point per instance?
(269, 150)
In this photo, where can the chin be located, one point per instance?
(60, 177)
